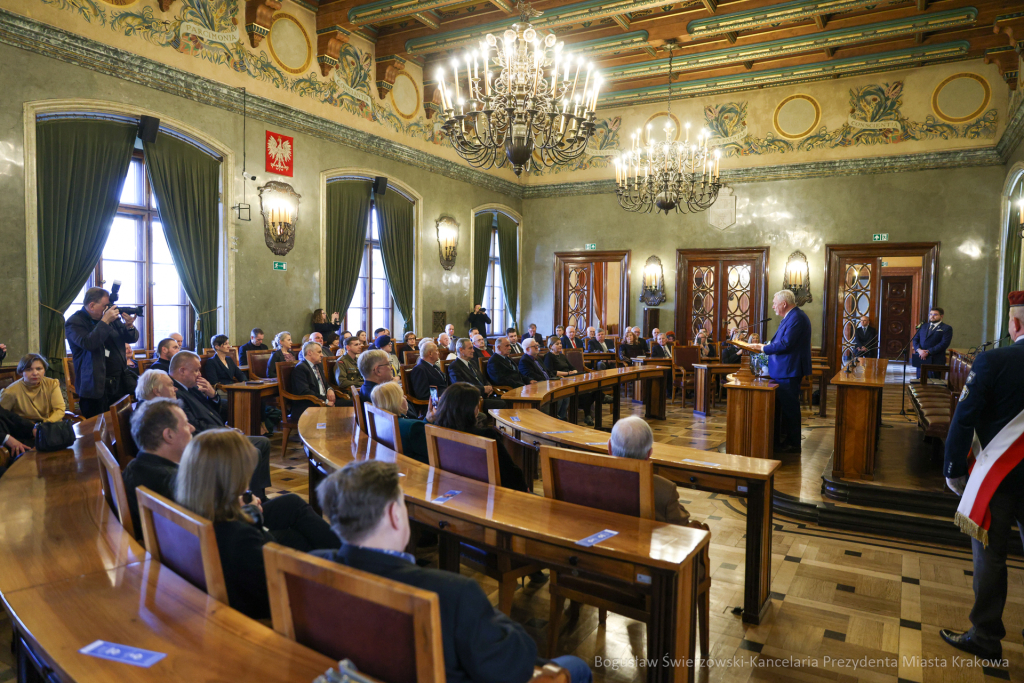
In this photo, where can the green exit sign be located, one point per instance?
(880, 237)
(590, 247)
(280, 265)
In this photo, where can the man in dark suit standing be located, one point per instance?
(465, 368)
(365, 505)
(930, 342)
(992, 407)
(789, 361)
(865, 339)
(97, 334)
(500, 368)
(426, 373)
(308, 380)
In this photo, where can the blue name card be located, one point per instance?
(125, 654)
(440, 500)
(597, 538)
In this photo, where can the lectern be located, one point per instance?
(858, 414)
(750, 418)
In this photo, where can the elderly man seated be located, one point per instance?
(633, 438)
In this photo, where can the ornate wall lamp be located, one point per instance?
(447, 240)
(279, 204)
(653, 291)
(798, 278)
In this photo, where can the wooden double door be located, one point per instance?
(592, 288)
(718, 290)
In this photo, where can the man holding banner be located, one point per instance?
(990, 415)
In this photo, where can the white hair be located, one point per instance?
(309, 344)
(425, 343)
(529, 343)
(785, 295)
(146, 387)
(632, 438)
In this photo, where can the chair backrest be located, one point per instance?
(410, 357)
(258, 362)
(622, 485)
(448, 361)
(144, 363)
(382, 427)
(69, 380)
(357, 403)
(329, 363)
(8, 376)
(284, 378)
(121, 431)
(685, 356)
(183, 541)
(398, 638)
(575, 357)
(112, 486)
(467, 455)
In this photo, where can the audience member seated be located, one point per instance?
(630, 347)
(466, 369)
(701, 340)
(558, 366)
(501, 369)
(391, 398)
(458, 409)
(255, 343)
(328, 330)
(641, 342)
(671, 337)
(210, 482)
(165, 351)
(426, 373)
(660, 347)
(559, 332)
(384, 343)
(366, 508)
(161, 431)
(633, 438)
(375, 367)
(346, 371)
(3, 352)
(282, 352)
(307, 380)
(730, 353)
(531, 331)
(131, 371)
(16, 434)
(35, 397)
(222, 369)
(600, 345)
(202, 408)
(379, 331)
(449, 331)
(515, 348)
(362, 337)
(480, 347)
(129, 355)
(409, 343)
(154, 384)
(570, 341)
(530, 369)
(444, 345)
(316, 338)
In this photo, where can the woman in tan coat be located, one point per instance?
(35, 396)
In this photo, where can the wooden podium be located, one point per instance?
(858, 414)
(750, 417)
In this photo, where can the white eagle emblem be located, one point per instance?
(280, 152)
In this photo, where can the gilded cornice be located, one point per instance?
(787, 46)
(376, 12)
(1013, 136)
(774, 15)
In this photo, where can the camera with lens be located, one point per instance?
(137, 311)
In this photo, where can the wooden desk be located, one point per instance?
(647, 389)
(858, 414)
(70, 575)
(753, 478)
(645, 554)
(542, 393)
(704, 374)
(245, 404)
(750, 418)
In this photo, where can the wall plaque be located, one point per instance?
(722, 213)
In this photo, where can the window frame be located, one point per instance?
(366, 278)
(494, 288)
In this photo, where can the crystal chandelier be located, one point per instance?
(538, 102)
(668, 175)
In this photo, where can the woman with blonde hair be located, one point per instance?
(630, 348)
(282, 346)
(213, 476)
(391, 398)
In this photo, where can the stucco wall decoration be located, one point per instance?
(289, 44)
(796, 116)
(961, 97)
(730, 133)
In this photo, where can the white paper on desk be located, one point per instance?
(321, 425)
(596, 443)
(701, 462)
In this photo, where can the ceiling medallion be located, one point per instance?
(539, 102)
(676, 175)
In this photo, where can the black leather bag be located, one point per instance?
(54, 436)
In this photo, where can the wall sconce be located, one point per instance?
(279, 204)
(798, 278)
(653, 291)
(447, 240)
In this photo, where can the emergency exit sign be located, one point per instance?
(880, 237)
(590, 247)
(280, 265)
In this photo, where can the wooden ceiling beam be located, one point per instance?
(922, 5)
(820, 20)
(710, 5)
(621, 21)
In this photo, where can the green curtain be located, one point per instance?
(81, 166)
(483, 225)
(397, 247)
(186, 182)
(508, 252)
(348, 213)
(1011, 266)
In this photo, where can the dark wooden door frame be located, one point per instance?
(758, 299)
(831, 305)
(569, 257)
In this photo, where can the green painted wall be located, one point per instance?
(959, 208)
(272, 300)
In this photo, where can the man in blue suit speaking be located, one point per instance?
(789, 361)
(930, 342)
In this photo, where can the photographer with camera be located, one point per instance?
(478, 319)
(97, 334)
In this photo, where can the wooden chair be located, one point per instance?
(120, 426)
(329, 364)
(284, 376)
(383, 428)
(476, 457)
(575, 358)
(410, 357)
(399, 632)
(8, 376)
(112, 486)
(421, 404)
(683, 358)
(144, 364)
(258, 362)
(448, 361)
(624, 486)
(69, 382)
(182, 541)
(357, 403)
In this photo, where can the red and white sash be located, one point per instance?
(991, 465)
